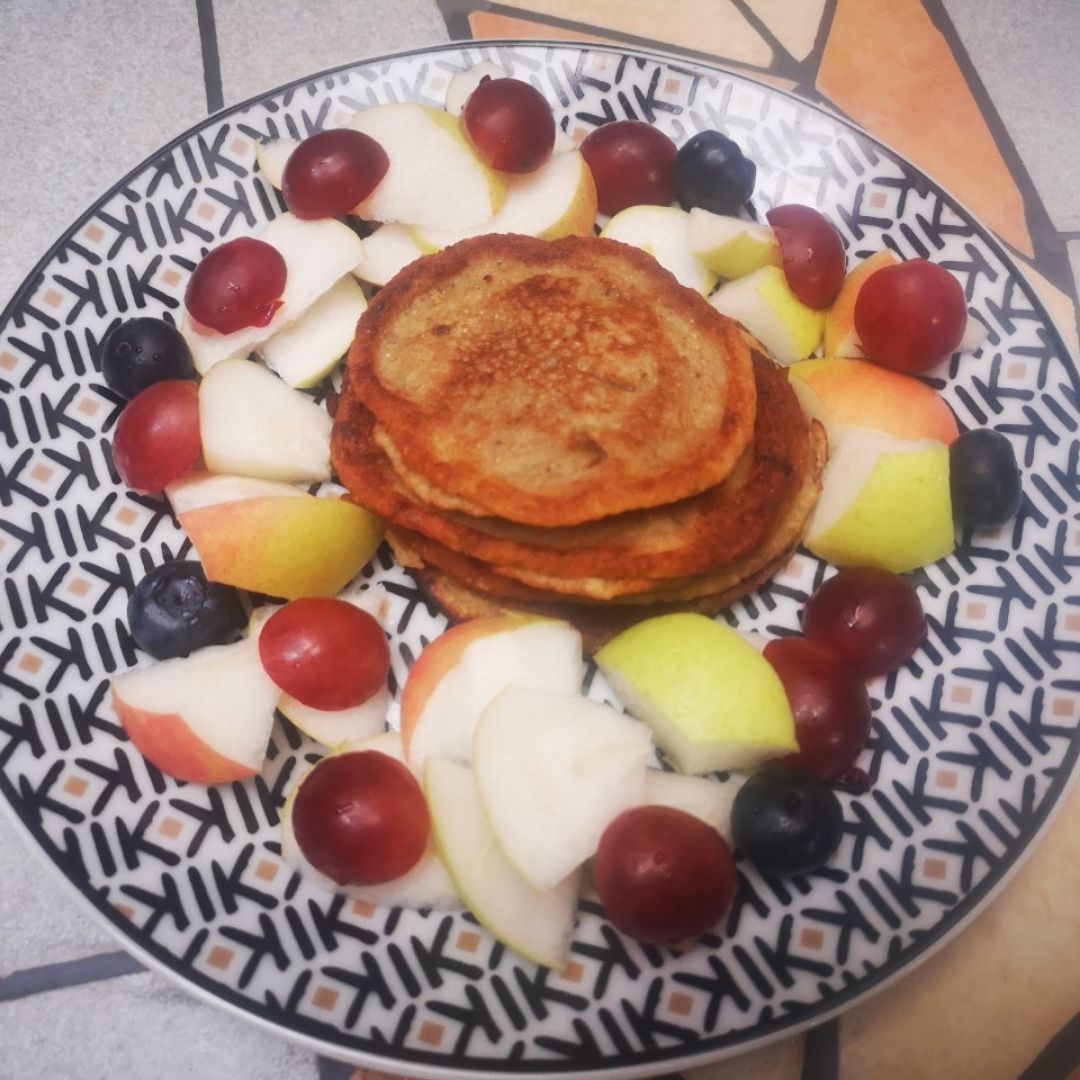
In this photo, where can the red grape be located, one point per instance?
(633, 163)
(360, 818)
(829, 702)
(236, 285)
(509, 124)
(663, 875)
(157, 436)
(326, 653)
(812, 253)
(911, 316)
(332, 172)
(872, 619)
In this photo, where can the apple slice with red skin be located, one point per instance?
(811, 253)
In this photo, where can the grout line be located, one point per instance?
(66, 974)
(211, 60)
(821, 1052)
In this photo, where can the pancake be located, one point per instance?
(717, 526)
(550, 383)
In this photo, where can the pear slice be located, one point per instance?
(389, 249)
(317, 254)
(712, 701)
(537, 923)
(664, 232)
(434, 177)
(307, 350)
(706, 799)
(272, 157)
(731, 247)
(553, 772)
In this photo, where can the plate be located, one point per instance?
(972, 746)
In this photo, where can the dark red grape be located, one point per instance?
(911, 316)
(143, 351)
(786, 820)
(811, 252)
(326, 653)
(360, 818)
(633, 164)
(662, 875)
(236, 285)
(984, 479)
(174, 610)
(712, 172)
(509, 124)
(332, 172)
(829, 703)
(872, 619)
(157, 436)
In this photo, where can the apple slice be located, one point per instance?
(205, 718)
(533, 922)
(272, 156)
(198, 489)
(553, 772)
(710, 698)
(253, 424)
(289, 546)
(317, 254)
(426, 885)
(840, 336)
(884, 502)
(458, 675)
(766, 306)
(307, 350)
(434, 178)
(664, 232)
(731, 247)
(708, 800)
(387, 250)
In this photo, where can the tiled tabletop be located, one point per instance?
(90, 90)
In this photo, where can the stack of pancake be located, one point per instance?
(559, 427)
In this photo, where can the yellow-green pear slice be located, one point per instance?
(272, 157)
(884, 502)
(388, 250)
(712, 701)
(730, 246)
(764, 303)
(700, 796)
(537, 923)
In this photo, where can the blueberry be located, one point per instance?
(984, 479)
(786, 820)
(174, 610)
(712, 172)
(140, 352)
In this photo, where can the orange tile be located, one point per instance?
(205, 210)
(811, 937)
(680, 1004)
(947, 780)
(170, 827)
(220, 957)
(935, 869)
(1072, 622)
(363, 908)
(431, 1033)
(1016, 370)
(878, 199)
(93, 233)
(961, 695)
(976, 609)
(88, 406)
(484, 24)
(126, 910)
(468, 941)
(889, 68)
(267, 870)
(1064, 707)
(31, 663)
(239, 146)
(79, 587)
(573, 972)
(325, 998)
(42, 473)
(53, 298)
(8, 361)
(172, 276)
(75, 785)
(126, 516)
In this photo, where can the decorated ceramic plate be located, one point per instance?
(972, 745)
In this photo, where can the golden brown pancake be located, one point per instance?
(717, 526)
(551, 382)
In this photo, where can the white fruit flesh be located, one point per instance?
(388, 250)
(317, 254)
(553, 772)
(536, 923)
(662, 231)
(434, 178)
(208, 489)
(253, 424)
(540, 655)
(729, 246)
(308, 349)
(708, 800)
(272, 157)
(337, 727)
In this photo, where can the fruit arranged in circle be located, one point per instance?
(236, 285)
(174, 610)
(870, 618)
(712, 172)
(142, 351)
(911, 316)
(360, 817)
(332, 172)
(829, 703)
(984, 479)
(326, 653)
(786, 820)
(509, 124)
(633, 163)
(157, 436)
(811, 253)
(662, 875)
